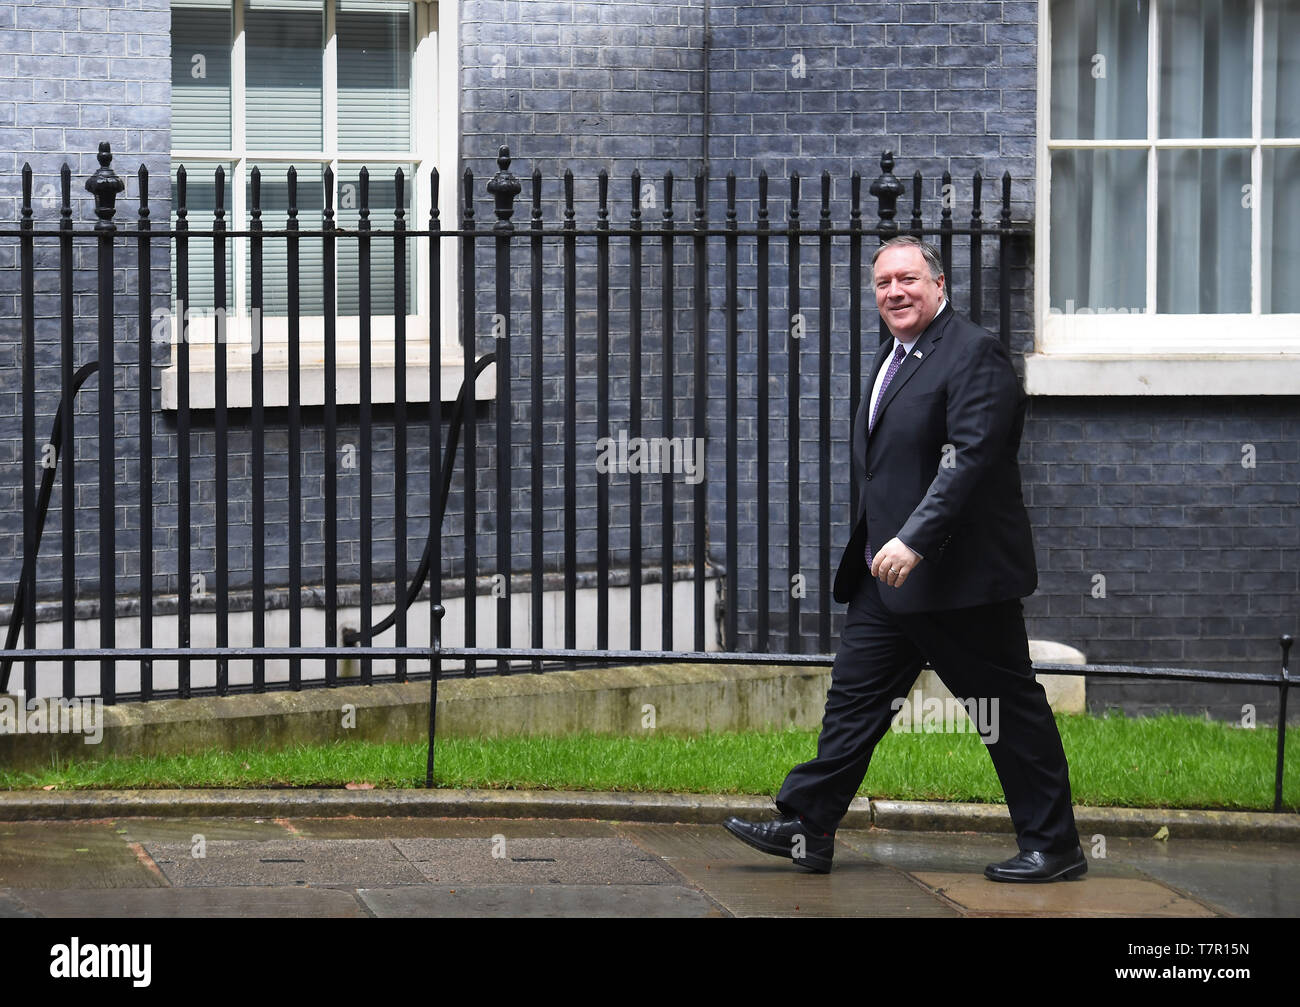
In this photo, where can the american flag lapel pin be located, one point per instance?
(917, 354)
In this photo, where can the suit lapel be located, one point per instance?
(915, 360)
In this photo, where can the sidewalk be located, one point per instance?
(309, 866)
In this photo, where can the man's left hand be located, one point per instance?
(893, 562)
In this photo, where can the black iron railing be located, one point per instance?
(608, 286)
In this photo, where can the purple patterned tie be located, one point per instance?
(894, 364)
(899, 353)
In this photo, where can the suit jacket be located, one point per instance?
(939, 470)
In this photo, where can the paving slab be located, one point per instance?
(198, 903)
(1238, 879)
(535, 861)
(746, 882)
(292, 862)
(12, 907)
(585, 901)
(71, 855)
(948, 852)
(858, 889)
(1127, 897)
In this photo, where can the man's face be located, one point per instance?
(906, 294)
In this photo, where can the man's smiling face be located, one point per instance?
(906, 294)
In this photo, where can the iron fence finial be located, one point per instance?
(104, 185)
(887, 188)
(504, 187)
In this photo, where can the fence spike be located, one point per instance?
(886, 188)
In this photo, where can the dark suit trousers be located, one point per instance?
(980, 652)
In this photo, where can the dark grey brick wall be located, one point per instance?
(797, 88)
(1199, 554)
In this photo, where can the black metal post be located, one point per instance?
(634, 412)
(399, 414)
(570, 419)
(733, 410)
(258, 444)
(537, 449)
(294, 261)
(763, 414)
(824, 266)
(144, 384)
(365, 434)
(602, 408)
(27, 280)
(104, 185)
(701, 351)
(1283, 690)
(221, 501)
(469, 314)
(796, 583)
(503, 187)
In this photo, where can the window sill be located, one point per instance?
(239, 386)
(237, 335)
(1167, 374)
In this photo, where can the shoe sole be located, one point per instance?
(817, 865)
(1069, 874)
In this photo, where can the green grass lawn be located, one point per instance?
(1167, 762)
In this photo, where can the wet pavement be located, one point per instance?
(403, 867)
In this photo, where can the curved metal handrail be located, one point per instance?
(42, 508)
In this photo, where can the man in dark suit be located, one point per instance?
(940, 556)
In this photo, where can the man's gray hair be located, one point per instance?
(928, 252)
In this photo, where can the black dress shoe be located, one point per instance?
(787, 836)
(1031, 865)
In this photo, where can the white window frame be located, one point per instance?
(435, 140)
(1147, 353)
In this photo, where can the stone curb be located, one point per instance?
(921, 816)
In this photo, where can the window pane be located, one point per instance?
(275, 254)
(1099, 69)
(1205, 67)
(374, 74)
(1203, 232)
(1098, 229)
(1281, 68)
(284, 77)
(1281, 231)
(200, 204)
(382, 201)
(201, 75)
